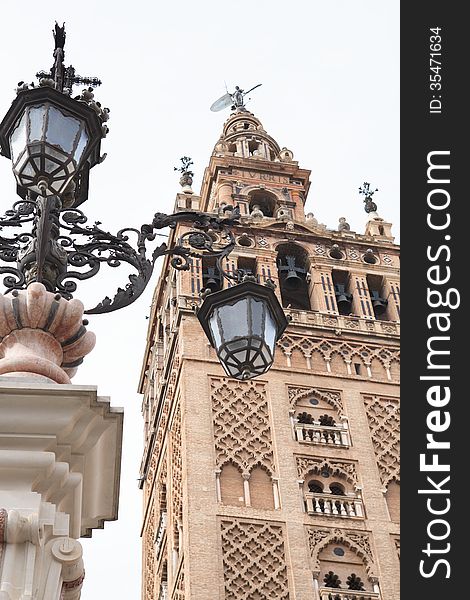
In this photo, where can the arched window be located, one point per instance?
(377, 296)
(337, 489)
(211, 278)
(231, 486)
(293, 264)
(253, 146)
(315, 487)
(332, 580)
(305, 418)
(342, 568)
(342, 292)
(261, 489)
(354, 582)
(246, 266)
(327, 421)
(266, 201)
(392, 498)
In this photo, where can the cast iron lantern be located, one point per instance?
(49, 136)
(243, 324)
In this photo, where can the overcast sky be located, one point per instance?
(330, 94)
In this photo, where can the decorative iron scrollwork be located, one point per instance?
(54, 253)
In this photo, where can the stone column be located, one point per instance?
(391, 292)
(322, 291)
(362, 305)
(224, 193)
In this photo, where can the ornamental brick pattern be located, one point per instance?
(254, 561)
(241, 424)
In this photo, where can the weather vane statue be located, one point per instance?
(187, 174)
(235, 100)
(370, 205)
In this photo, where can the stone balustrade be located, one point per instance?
(161, 530)
(314, 433)
(163, 591)
(343, 322)
(338, 594)
(333, 506)
(306, 318)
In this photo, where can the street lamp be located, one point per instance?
(53, 140)
(243, 324)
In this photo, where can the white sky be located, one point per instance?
(330, 93)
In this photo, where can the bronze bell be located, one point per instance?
(343, 298)
(292, 281)
(211, 280)
(378, 304)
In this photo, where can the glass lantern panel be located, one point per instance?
(270, 331)
(242, 343)
(28, 170)
(240, 356)
(57, 185)
(18, 139)
(82, 142)
(258, 363)
(56, 154)
(61, 130)
(37, 118)
(258, 308)
(214, 327)
(266, 356)
(50, 166)
(233, 320)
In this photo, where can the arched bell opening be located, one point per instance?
(377, 296)
(211, 278)
(293, 264)
(264, 200)
(246, 265)
(342, 293)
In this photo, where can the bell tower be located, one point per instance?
(285, 486)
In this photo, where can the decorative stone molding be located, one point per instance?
(327, 348)
(359, 542)
(308, 464)
(42, 335)
(36, 553)
(297, 393)
(383, 415)
(54, 441)
(176, 467)
(60, 454)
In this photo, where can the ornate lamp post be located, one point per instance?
(53, 140)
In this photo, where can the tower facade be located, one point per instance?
(285, 486)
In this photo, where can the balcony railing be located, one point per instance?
(163, 591)
(335, 594)
(314, 433)
(161, 530)
(330, 505)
